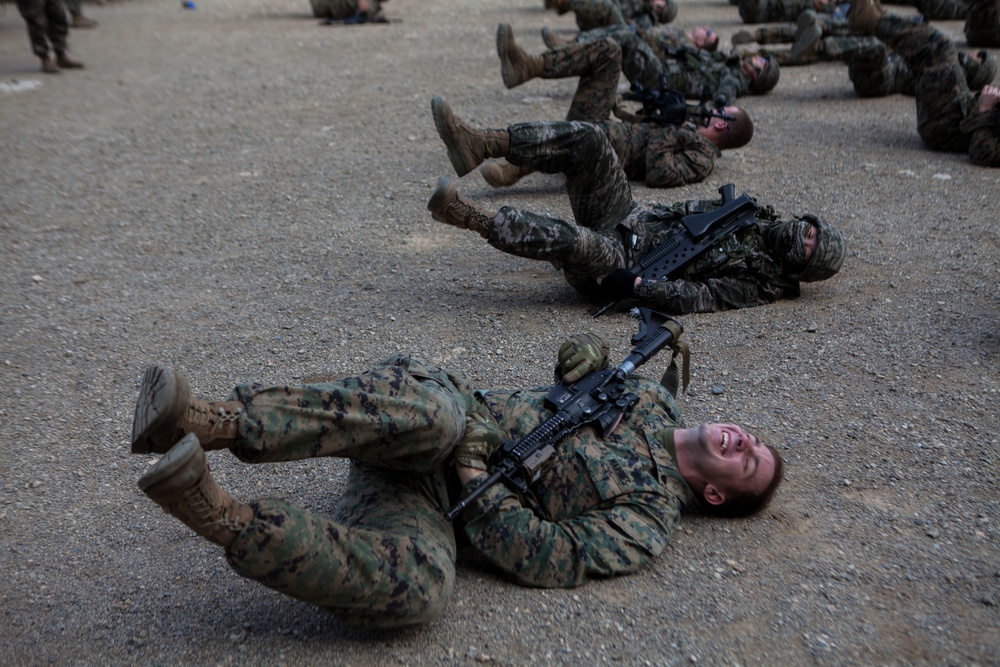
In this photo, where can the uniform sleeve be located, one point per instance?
(601, 542)
(678, 156)
(685, 296)
(733, 84)
(984, 147)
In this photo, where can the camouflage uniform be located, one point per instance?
(386, 556)
(772, 11)
(47, 25)
(947, 110)
(687, 70)
(344, 9)
(879, 73)
(982, 27)
(942, 10)
(612, 230)
(834, 48)
(592, 14)
(662, 156)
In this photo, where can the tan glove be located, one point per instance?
(581, 354)
(482, 437)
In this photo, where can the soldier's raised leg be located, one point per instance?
(401, 415)
(385, 559)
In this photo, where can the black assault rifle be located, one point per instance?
(665, 106)
(699, 232)
(598, 398)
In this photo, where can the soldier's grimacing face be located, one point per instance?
(732, 459)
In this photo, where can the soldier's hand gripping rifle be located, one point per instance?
(698, 233)
(664, 106)
(598, 398)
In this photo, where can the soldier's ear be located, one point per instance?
(713, 495)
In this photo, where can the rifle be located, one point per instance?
(665, 106)
(598, 398)
(698, 232)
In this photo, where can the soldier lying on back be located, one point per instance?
(418, 437)
(950, 115)
(664, 156)
(758, 264)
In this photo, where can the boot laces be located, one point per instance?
(209, 513)
(212, 417)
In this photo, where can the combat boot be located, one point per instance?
(165, 412)
(746, 37)
(467, 147)
(81, 21)
(446, 206)
(516, 66)
(182, 485)
(65, 62)
(807, 36)
(49, 66)
(561, 6)
(500, 173)
(553, 40)
(863, 15)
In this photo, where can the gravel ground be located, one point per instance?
(240, 192)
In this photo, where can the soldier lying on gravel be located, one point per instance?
(418, 437)
(664, 156)
(690, 71)
(756, 265)
(950, 116)
(591, 14)
(349, 11)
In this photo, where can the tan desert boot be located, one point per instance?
(863, 15)
(165, 412)
(446, 206)
(467, 147)
(516, 66)
(182, 485)
(501, 174)
(49, 66)
(81, 21)
(65, 62)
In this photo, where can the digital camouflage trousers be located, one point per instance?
(385, 558)
(599, 194)
(47, 25)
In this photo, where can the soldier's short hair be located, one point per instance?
(740, 131)
(748, 503)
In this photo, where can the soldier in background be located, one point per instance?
(982, 26)
(75, 8)
(47, 31)
(688, 71)
(339, 10)
(664, 156)
(756, 265)
(951, 116)
(591, 14)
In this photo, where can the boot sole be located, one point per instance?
(178, 466)
(440, 110)
(163, 398)
(437, 199)
(806, 41)
(506, 69)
